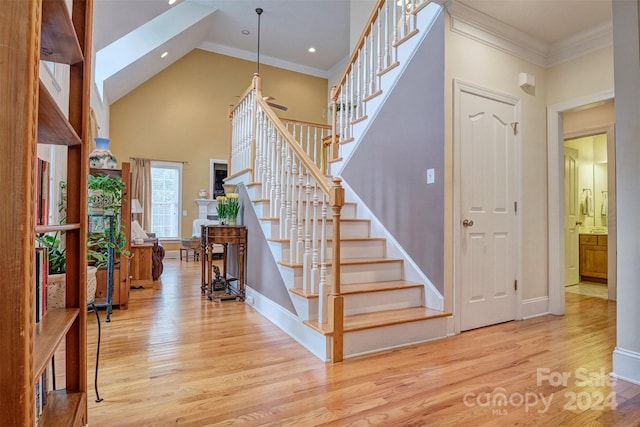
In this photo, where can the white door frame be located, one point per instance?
(459, 87)
(555, 194)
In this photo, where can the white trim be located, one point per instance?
(313, 341)
(411, 271)
(555, 193)
(626, 365)
(598, 37)
(459, 87)
(534, 307)
(487, 30)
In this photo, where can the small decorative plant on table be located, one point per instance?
(233, 207)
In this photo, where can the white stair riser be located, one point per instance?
(348, 229)
(348, 249)
(352, 273)
(371, 302)
(377, 339)
(348, 210)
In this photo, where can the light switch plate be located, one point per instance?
(431, 176)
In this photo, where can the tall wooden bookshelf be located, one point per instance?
(30, 31)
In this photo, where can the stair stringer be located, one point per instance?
(411, 272)
(426, 18)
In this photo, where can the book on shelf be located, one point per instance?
(42, 189)
(41, 277)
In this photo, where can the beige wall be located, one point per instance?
(181, 114)
(589, 74)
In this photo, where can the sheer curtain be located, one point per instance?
(141, 188)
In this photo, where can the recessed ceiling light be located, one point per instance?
(164, 54)
(172, 1)
(245, 32)
(312, 49)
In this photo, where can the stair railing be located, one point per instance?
(391, 23)
(299, 197)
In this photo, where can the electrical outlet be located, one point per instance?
(431, 176)
(184, 213)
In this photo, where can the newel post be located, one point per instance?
(336, 300)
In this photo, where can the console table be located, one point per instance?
(224, 235)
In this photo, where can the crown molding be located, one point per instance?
(596, 38)
(487, 30)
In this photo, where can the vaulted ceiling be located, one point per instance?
(131, 35)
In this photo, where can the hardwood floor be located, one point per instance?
(176, 358)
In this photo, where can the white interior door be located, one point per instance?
(571, 217)
(488, 243)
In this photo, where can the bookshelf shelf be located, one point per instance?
(58, 41)
(63, 409)
(53, 127)
(56, 227)
(51, 330)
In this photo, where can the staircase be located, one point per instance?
(372, 301)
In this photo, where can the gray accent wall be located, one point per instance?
(388, 169)
(262, 272)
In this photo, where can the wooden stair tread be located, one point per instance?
(363, 288)
(359, 322)
(349, 261)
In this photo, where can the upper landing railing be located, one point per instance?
(391, 23)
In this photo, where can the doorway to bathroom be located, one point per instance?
(589, 183)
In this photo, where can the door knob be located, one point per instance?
(467, 223)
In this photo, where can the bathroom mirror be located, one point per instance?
(592, 181)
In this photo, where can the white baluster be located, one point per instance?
(323, 291)
(293, 231)
(314, 243)
(285, 219)
(300, 233)
(281, 213)
(275, 194)
(306, 261)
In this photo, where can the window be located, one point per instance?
(166, 197)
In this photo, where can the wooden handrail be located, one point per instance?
(302, 122)
(311, 167)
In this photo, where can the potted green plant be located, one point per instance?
(105, 198)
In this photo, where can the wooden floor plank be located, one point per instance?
(177, 358)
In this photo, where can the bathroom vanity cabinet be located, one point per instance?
(593, 257)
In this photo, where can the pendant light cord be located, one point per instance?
(259, 12)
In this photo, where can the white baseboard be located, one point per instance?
(316, 343)
(626, 365)
(535, 307)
